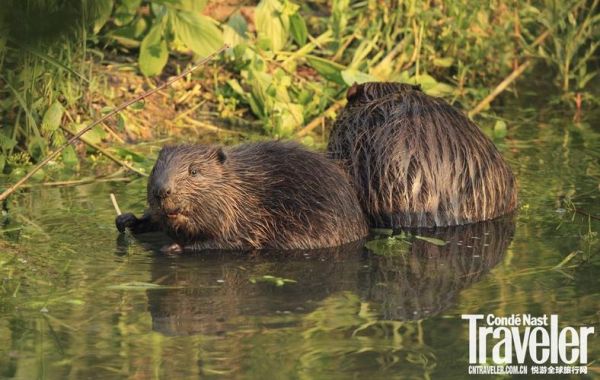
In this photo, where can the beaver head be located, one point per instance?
(182, 188)
(371, 91)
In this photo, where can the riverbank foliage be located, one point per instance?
(65, 63)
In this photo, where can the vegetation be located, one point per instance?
(73, 304)
(65, 63)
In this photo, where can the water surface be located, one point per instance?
(78, 302)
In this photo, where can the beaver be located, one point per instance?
(416, 161)
(265, 195)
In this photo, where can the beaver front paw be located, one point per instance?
(172, 249)
(124, 221)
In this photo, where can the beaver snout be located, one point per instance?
(162, 192)
(166, 200)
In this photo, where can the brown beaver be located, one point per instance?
(416, 161)
(267, 195)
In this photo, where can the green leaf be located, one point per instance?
(238, 23)
(352, 76)
(6, 142)
(235, 86)
(52, 118)
(57, 139)
(439, 89)
(339, 16)
(298, 29)
(94, 135)
(39, 175)
(139, 105)
(390, 246)
(328, 69)
(101, 10)
(231, 37)
(130, 34)
(428, 84)
(153, 51)
(277, 281)
(36, 147)
(121, 122)
(290, 117)
(126, 11)
(431, 240)
(500, 129)
(199, 33)
(186, 5)
(443, 62)
(271, 24)
(69, 156)
(130, 155)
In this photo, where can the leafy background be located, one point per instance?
(66, 63)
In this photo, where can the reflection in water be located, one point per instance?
(426, 281)
(351, 314)
(207, 292)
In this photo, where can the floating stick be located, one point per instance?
(115, 204)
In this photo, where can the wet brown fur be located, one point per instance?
(269, 195)
(416, 161)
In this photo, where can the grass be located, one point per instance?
(286, 75)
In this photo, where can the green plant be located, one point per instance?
(573, 42)
(291, 61)
(42, 73)
(158, 26)
(413, 42)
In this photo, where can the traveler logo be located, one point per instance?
(526, 344)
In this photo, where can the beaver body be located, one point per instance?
(401, 158)
(268, 195)
(416, 161)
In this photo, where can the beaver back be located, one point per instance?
(416, 161)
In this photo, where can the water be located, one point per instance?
(78, 302)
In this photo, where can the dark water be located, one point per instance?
(78, 303)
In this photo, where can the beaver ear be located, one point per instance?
(354, 91)
(221, 156)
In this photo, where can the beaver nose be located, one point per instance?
(162, 192)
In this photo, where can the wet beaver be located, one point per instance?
(416, 161)
(267, 195)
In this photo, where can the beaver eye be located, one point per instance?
(193, 172)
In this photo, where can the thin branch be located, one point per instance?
(79, 182)
(108, 155)
(113, 199)
(54, 154)
(581, 212)
(207, 126)
(500, 88)
(509, 79)
(319, 120)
